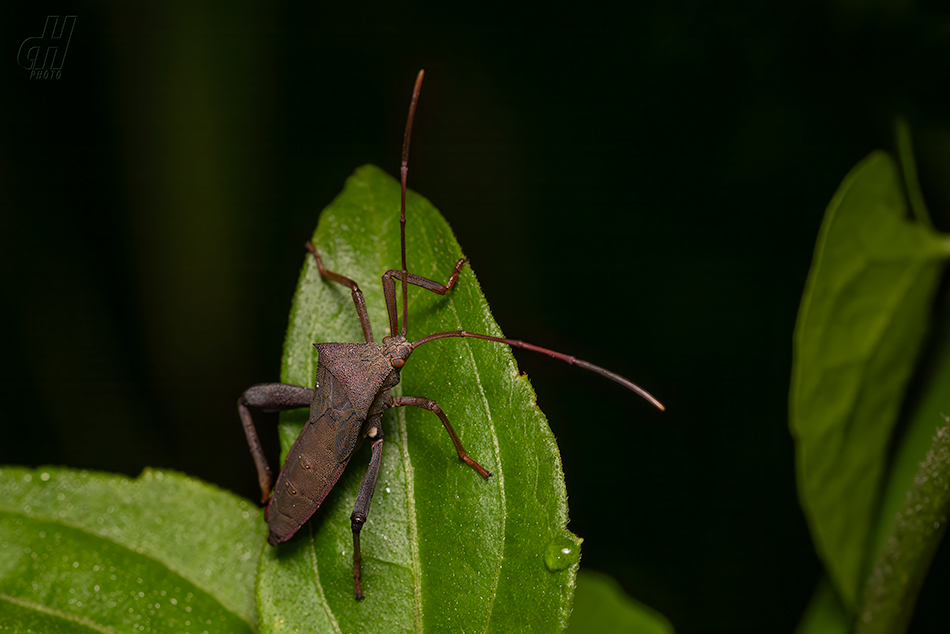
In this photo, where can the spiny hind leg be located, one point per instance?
(268, 397)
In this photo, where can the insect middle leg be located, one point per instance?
(432, 406)
(274, 397)
(353, 286)
(361, 509)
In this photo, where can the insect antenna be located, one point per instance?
(403, 173)
(627, 383)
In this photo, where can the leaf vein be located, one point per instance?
(66, 616)
(499, 472)
(411, 517)
(316, 580)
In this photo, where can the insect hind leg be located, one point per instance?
(268, 397)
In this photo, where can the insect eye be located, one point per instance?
(386, 339)
(398, 363)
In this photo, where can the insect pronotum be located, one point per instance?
(352, 391)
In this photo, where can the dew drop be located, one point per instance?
(562, 552)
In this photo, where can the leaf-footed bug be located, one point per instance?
(352, 391)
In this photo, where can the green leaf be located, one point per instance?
(443, 549)
(905, 152)
(860, 326)
(887, 592)
(917, 439)
(90, 552)
(824, 614)
(601, 605)
(899, 572)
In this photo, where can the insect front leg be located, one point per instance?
(389, 288)
(353, 286)
(274, 397)
(361, 510)
(432, 406)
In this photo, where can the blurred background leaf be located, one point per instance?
(600, 605)
(863, 318)
(865, 312)
(825, 614)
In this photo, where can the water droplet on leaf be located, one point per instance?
(563, 551)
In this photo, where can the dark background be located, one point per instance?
(638, 186)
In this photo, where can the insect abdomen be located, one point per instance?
(316, 460)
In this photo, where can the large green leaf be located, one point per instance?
(859, 330)
(444, 550)
(90, 552)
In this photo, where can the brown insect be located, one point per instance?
(353, 389)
